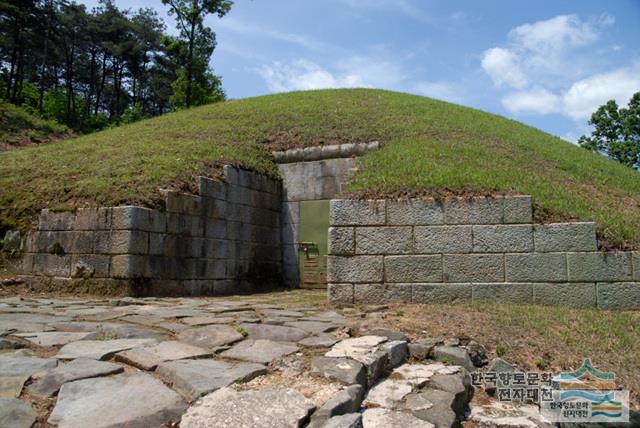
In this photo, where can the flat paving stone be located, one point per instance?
(269, 408)
(276, 333)
(388, 394)
(319, 341)
(355, 347)
(453, 355)
(146, 320)
(129, 331)
(346, 401)
(506, 415)
(170, 312)
(132, 400)
(314, 327)
(234, 312)
(16, 413)
(87, 311)
(246, 319)
(211, 336)
(27, 322)
(11, 386)
(441, 413)
(77, 326)
(365, 349)
(349, 420)
(174, 327)
(194, 378)
(104, 316)
(457, 384)
(111, 330)
(277, 320)
(266, 306)
(422, 348)
(281, 313)
(148, 358)
(327, 316)
(416, 402)
(48, 383)
(99, 349)
(206, 320)
(419, 374)
(16, 365)
(52, 338)
(345, 370)
(397, 351)
(385, 418)
(259, 351)
(389, 334)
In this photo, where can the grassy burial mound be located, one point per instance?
(430, 147)
(19, 128)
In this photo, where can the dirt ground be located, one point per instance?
(533, 338)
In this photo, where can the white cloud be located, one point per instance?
(585, 96)
(362, 71)
(543, 51)
(348, 72)
(543, 62)
(303, 75)
(503, 67)
(581, 99)
(558, 33)
(536, 101)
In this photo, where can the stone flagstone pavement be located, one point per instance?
(273, 360)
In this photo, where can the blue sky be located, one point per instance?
(546, 63)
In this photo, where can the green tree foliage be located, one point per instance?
(92, 68)
(196, 84)
(617, 132)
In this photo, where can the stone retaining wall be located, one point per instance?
(472, 249)
(226, 240)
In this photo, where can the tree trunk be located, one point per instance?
(14, 58)
(190, 63)
(10, 76)
(17, 85)
(102, 82)
(44, 59)
(69, 86)
(113, 107)
(69, 53)
(133, 92)
(92, 83)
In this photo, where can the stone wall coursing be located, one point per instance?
(224, 240)
(310, 174)
(471, 249)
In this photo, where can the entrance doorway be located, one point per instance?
(312, 247)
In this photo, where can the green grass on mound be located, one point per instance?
(429, 146)
(19, 128)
